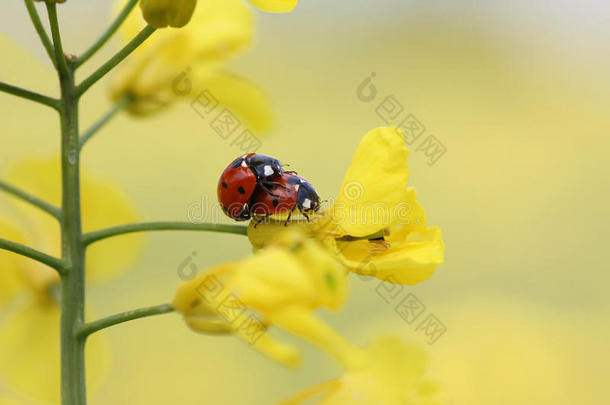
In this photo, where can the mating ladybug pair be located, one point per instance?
(258, 185)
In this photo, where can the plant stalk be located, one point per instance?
(73, 389)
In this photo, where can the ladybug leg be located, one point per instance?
(289, 216)
(264, 186)
(291, 172)
(261, 219)
(303, 212)
(273, 183)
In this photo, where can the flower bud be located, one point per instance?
(161, 13)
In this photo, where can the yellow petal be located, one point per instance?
(391, 374)
(242, 98)
(275, 6)
(176, 63)
(30, 353)
(103, 205)
(409, 262)
(161, 13)
(302, 323)
(283, 353)
(374, 186)
(190, 295)
(410, 217)
(325, 272)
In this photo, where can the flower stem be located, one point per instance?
(92, 237)
(106, 35)
(115, 60)
(27, 251)
(30, 199)
(44, 38)
(112, 320)
(30, 95)
(60, 59)
(73, 388)
(118, 107)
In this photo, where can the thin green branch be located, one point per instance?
(44, 38)
(30, 95)
(112, 320)
(106, 35)
(62, 64)
(34, 254)
(31, 199)
(118, 107)
(115, 60)
(92, 237)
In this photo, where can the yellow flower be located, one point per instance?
(391, 374)
(375, 227)
(189, 63)
(161, 13)
(275, 6)
(281, 286)
(29, 335)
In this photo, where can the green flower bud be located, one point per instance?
(161, 13)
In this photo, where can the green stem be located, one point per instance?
(106, 35)
(112, 320)
(73, 387)
(120, 106)
(30, 199)
(115, 60)
(30, 95)
(27, 251)
(44, 38)
(92, 237)
(60, 59)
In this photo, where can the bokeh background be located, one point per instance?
(518, 93)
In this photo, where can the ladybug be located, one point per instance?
(290, 192)
(240, 179)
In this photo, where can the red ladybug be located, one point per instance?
(290, 192)
(240, 179)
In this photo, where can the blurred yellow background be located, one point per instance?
(519, 95)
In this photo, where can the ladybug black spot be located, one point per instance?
(224, 185)
(241, 190)
(275, 202)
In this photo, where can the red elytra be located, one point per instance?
(235, 187)
(287, 194)
(284, 198)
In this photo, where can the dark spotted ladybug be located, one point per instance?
(241, 178)
(290, 192)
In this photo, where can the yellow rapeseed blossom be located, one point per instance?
(275, 6)
(281, 286)
(375, 227)
(163, 13)
(189, 63)
(391, 374)
(29, 334)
